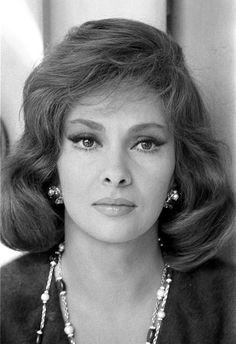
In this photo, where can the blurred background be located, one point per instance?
(206, 30)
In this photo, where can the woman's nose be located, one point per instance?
(116, 172)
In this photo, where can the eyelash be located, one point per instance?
(155, 142)
(77, 138)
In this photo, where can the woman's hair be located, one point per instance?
(105, 54)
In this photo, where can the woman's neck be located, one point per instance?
(99, 272)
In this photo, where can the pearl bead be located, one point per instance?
(51, 192)
(168, 280)
(45, 297)
(160, 293)
(61, 247)
(175, 197)
(53, 263)
(69, 330)
(161, 314)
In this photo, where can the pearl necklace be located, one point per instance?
(55, 267)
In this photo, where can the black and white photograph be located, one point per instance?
(118, 172)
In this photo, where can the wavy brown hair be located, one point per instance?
(94, 56)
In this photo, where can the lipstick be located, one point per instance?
(114, 207)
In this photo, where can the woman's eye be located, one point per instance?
(147, 145)
(85, 143)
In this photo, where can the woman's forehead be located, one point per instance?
(131, 105)
(106, 101)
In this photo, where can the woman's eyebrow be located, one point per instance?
(88, 123)
(134, 129)
(139, 127)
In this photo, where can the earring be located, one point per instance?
(172, 197)
(55, 194)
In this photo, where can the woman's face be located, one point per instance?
(116, 166)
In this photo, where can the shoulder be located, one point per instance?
(211, 286)
(202, 304)
(24, 273)
(22, 282)
(25, 262)
(214, 273)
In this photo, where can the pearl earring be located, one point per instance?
(55, 194)
(172, 197)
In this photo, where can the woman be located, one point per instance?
(117, 156)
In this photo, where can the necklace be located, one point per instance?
(55, 267)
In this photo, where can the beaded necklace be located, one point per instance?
(55, 267)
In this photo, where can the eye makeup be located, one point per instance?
(88, 141)
(89, 135)
(148, 144)
(84, 141)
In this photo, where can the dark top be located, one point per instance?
(200, 309)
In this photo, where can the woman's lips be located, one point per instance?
(114, 207)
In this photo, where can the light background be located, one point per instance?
(206, 30)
